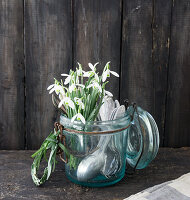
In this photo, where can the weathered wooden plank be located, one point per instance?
(178, 96)
(160, 55)
(137, 73)
(11, 75)
(16, 182)
(97, 30)
(145, 52)
(48, 47)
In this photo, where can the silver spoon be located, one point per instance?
(98, 161)
(107, 108)
(91, 165)
(113, 161)
(117, 104)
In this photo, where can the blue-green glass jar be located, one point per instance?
(100, 149)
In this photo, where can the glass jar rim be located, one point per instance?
(91, 123)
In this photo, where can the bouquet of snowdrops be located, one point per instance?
(83, 97)
(80, 97)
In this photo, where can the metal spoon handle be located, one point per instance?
(103, 142)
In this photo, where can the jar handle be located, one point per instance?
(142, 133)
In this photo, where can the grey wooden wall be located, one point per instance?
(147, 42)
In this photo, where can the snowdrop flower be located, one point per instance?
(93, 72)
(67, 101)
(79, 70)
(68, 79)
(61, 96)
(107, 71)
(77, 80)
(79, 117)
(88, 74)
(72, 88)
(96, 78)
(62, 92)
(95, 85)
(93, 67)
(79, 102)
(51, 88)
(81, 85)
(57, 88)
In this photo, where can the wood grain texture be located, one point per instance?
(97, 32)
(147, 42)
(145, 54)
(178, 96)
(48, 46)
(16, 182)
(11, 75)
(137, 73)
(161, 27)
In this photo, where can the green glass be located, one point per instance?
(100, 159)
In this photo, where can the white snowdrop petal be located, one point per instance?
(52, 90)
(82, 105)
(72, 88)
(107, 64)
(104, 76)
(73, 118)
(81, 118)
(81, 85)
(62, 91)
(91, 66)
(61, 103)
(76, 99)
(79, 64)
(71, 104)
(89, 86)
(56, 87)
(65, 75)
(96, 64)
(79, 72)
(50, 86)
(96, 77)
(77, 80)
(86, 74)
(114, 73)
(67, 80)
(100, 89)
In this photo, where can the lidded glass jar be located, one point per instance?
(99, 150)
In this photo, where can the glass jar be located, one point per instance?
(99, 149)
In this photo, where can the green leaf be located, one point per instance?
(51, 158)
(64, 149)
(94, 113)
(51, 140)
(37, 152)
